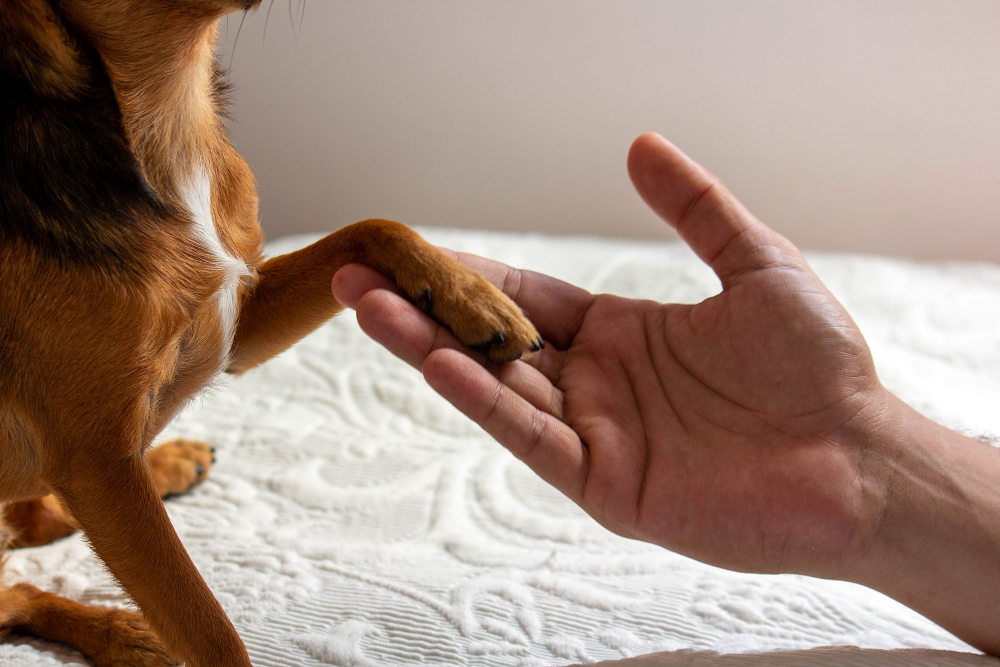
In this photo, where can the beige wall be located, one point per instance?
(850, 125)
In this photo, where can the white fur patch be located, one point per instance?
(197, 196)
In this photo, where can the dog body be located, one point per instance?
(131, 274)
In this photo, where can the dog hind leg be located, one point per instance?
(108, 637)
(176, 466)
(38, 521)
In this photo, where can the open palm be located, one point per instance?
(725, 430)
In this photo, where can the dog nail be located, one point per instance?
(426, 300)
(200, 469)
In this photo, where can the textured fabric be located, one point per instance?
(355, 519)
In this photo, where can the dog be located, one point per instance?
(132, 272)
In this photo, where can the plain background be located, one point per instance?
(867, 126)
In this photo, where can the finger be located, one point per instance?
(555, 307)
(705, 214)
(549, 447)
(532, 384)
(352, 281)
(399, 326)
(403, 329)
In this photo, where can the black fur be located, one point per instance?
(70, 186)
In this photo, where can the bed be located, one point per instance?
(355, 519)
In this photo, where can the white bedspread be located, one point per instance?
(355, 519)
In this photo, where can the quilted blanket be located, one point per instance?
(355, 519)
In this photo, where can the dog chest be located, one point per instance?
(197, 197)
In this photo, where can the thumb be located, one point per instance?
(705, 214)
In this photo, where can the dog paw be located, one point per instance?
(477, 312)
(180, 464)
(480, 315)
(130, 643)
(32, 523)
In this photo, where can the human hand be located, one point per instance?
(726, 430)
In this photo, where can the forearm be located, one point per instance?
(292, 295)
(291, 298)
(937, 548)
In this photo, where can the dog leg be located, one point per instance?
(108, 637)
(292, 296)
(176, 466)
(117, 505)
(38, 521)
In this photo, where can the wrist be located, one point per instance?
(935, 518)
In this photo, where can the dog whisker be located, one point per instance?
(267, 17)
(232, 55)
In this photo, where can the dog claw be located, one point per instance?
(426, 301)
(479, 315)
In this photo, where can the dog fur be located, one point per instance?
(132, 272)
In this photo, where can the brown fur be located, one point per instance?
(109, 332)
